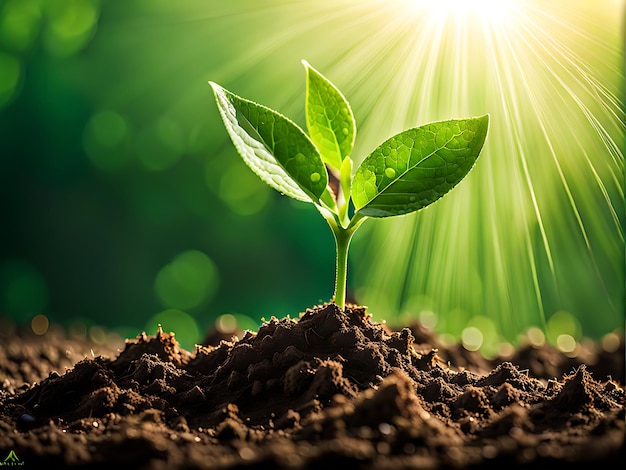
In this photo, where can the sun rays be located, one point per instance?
(537, 227)
(547, 196)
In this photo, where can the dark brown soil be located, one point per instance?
(329, 388)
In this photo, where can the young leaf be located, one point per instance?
(418, 166)
(274, 147)
(345, 181)
(329, 118)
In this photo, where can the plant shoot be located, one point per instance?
(404, 174)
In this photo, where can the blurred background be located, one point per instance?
(123, 204)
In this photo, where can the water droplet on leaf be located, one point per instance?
(315, 177)
(390, 172)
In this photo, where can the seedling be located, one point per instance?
(404, 174)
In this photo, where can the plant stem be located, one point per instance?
(342, 243)
(343, 236)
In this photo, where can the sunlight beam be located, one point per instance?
(491, 11)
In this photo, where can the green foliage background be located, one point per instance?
(124, 204)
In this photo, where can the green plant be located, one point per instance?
(405, 173)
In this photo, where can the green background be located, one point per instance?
(123, 204)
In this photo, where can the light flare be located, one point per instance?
(491, 11)
(546, 198)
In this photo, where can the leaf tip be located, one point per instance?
(305, 63)
(484, 122)
(214, 85)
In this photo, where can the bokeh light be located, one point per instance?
(230, 323)
(160, 145)
(183, 325)
(23, 290)
(481, 333)
(563, 323)
(105, 138)
(567, 344)
(428, 318)
(242, 191)
(20, 23)
(536, 336)
(40, 324)
(70, 26)
(226, 324)
(188, 281)
(472, 338)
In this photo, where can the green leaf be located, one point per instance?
(329, 118)
(275, 148)
(345, 176)
(418, 166)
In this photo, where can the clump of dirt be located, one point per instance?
(330, 387)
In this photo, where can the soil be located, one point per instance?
(329, 388)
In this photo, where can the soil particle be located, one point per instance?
(331, 387)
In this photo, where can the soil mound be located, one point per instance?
(330, 387)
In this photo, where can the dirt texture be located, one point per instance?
(329, 388)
